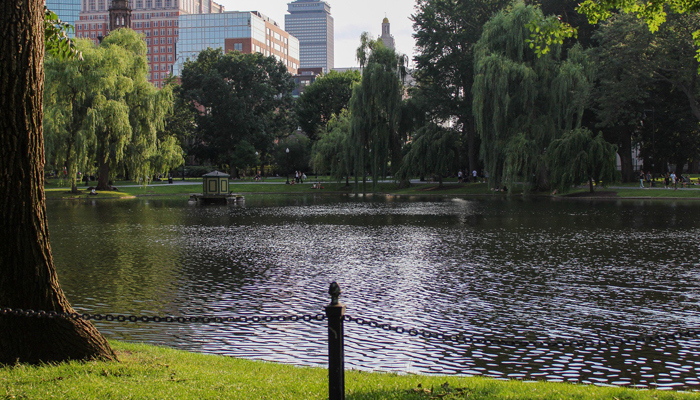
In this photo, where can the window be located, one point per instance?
(170, 49)
(155, 49)
(170, 57)
(238, 46)
(170, 40)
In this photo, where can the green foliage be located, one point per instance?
(432, 153)
(236, 97)
(653, 13)
(102, 110)
(375, 108)
(297, 159)
(330, 154)
(578, 157)
(546, 32)
(446, 32)
(57, 42)
(327, 96)
(521, 101)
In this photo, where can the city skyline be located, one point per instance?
(351, 19)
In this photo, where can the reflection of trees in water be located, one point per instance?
(503, 267)
(114, 258)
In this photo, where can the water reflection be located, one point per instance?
(487, 267)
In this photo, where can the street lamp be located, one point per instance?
(287, 151)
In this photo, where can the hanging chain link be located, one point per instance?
(427, 334)
(462, 338)
(169, 319)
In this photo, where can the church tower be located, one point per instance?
(119, 15)
(386, 37)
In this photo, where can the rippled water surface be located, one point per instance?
(525, 269)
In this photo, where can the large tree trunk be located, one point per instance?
(103, 170)
(625, 153)
(468, 132)
(27, 275)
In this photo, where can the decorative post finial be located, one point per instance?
(334, 291)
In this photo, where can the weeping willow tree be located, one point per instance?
(375, 109)
(579, 157)
(331, 153)
(523, 102)
(433, 152)
(69, 92)
(129, 112)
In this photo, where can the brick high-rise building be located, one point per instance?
(156, 19)
(244, 31)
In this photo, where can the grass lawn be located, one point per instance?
(148, 372)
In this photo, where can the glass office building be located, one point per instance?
(310, 21)
(246, 31)
(67, 10)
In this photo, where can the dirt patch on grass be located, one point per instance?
(597, 193)
(437, 188)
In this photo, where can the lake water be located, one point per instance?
(490, 268)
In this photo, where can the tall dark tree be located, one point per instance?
(579, 157)
(623, 77)
(648, 87)
(432, 153)
(327, 96)
(238, 97)
(375, 111)
(522, 101)
(446, 32)
(28, 277)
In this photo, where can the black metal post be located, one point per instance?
(336, 359)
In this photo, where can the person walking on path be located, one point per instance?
(641, 179)
(674, 181)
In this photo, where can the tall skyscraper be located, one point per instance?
(386, 37)
(67, 10)
(310, 21)
(156, 19)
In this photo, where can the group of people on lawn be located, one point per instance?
(671, 180)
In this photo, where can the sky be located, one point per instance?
(351, 18)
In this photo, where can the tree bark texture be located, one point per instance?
(27, 275)
(104, 170)
(625, 153)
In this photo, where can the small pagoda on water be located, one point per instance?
(215, 190)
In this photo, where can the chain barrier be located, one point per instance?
(462, 338)
(167, 319)
(427, 334)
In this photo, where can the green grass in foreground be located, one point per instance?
(147, 372)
